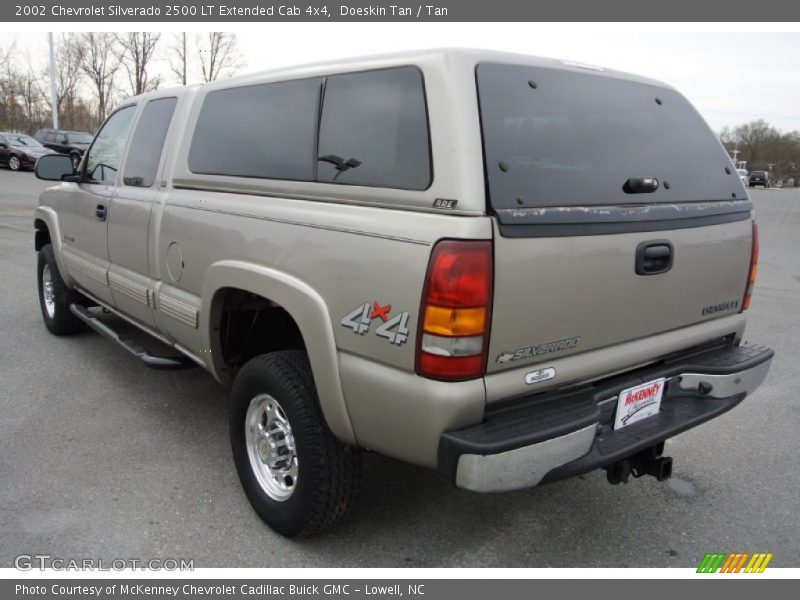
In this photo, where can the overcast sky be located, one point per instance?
(731, 78)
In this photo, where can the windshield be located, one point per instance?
(555, 137)
(24, 140)
(79, 138)
(741, 171)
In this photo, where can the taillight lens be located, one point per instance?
(456, 311)
(751, 275)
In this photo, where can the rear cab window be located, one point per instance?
(556, 140)
(148, 142)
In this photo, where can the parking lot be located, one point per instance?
(101, 457)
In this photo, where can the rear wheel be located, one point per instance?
(14, 163)
(54, 296)
(297, 475)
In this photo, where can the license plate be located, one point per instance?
(640, 402)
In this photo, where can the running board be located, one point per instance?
(164, 363)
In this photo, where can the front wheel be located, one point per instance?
(14, 163)
(54, 295)
(298, 476)
(76, 161)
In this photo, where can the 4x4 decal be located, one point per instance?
(394, 329)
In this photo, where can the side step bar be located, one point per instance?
(164, 363)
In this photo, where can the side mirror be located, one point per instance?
(3, 145)
(54, 167)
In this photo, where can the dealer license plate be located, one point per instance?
(640, 402)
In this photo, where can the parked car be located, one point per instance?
(20, 151)
(744, 176)
(759, 178)
(64, 141)
(466, 260)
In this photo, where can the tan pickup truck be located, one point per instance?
(510, 269)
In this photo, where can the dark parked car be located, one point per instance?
(759, 178)
(73, 143)
(19, 151)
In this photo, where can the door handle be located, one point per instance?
(654, 257)
(100, 212)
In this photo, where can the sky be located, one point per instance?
(732, 77)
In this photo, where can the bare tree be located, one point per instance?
(761, 145)
(219, 55)
(21, 105)
(99, 63)
(30, 99)
(5, 87)
(135, 52)
(68, 78)
(726, 136)
(179, 60)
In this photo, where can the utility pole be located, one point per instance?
(53, 96)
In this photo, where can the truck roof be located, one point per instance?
(447, 57)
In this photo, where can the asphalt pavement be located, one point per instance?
(103, 458)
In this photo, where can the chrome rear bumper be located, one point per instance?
(572, 433)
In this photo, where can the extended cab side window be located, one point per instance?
(103, 160)
(147, 143)
(266, 130)
(374, 130)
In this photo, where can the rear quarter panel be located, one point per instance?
(349, 256)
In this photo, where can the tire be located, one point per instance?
(55, 310)
(76, 161)
(14, 163)
(315, 481)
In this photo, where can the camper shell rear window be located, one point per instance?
(567, 138)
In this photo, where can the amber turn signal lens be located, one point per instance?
(454, 321)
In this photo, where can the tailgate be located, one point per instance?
(556, 296)
(618, 214)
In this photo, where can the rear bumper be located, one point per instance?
(551, 436)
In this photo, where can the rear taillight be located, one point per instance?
(751, 275)
(456, 311)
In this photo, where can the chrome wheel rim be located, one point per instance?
(271, 447)
(13, 163)
(47, 292)
(76, 161)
